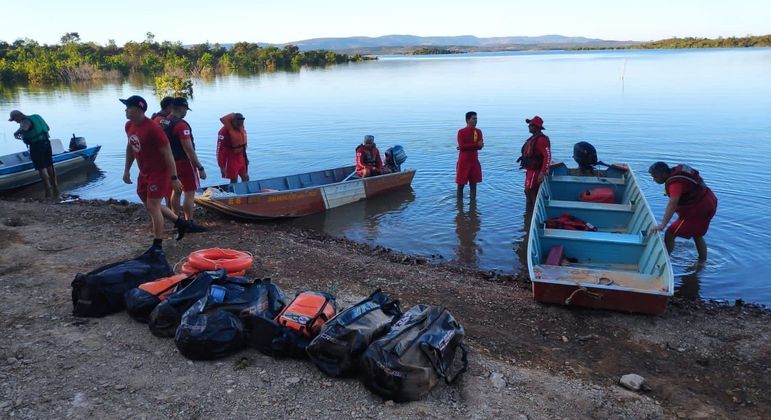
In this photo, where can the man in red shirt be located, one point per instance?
(535, 159)
(231, 148)
(468, 169)
(148, 145)
(165, 110)
(368, 160)
(188, 166)
(689, 197)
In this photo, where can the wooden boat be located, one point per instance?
(618, 266)
(298, 195)
(16, 169)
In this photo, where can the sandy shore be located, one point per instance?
(527, 360)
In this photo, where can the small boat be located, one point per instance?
(16, 169)
(298, 195)
(617, 265)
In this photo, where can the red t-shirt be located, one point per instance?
(469, 140)
(146, 140)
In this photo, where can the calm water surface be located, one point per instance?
(709, 108)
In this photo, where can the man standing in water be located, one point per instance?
(231, 148)
(535, 159)
(157, 173)
(468, 169)
(33, 131)
(692, 200)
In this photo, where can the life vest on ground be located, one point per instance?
(598, 195)
(237, 137)
(569, 222)
(684, 172)
(531, 158)
(168, 124)
(308, 312)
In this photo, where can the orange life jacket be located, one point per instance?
(684, 172)
(237, 137)
(531, 158)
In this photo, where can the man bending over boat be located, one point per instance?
(148, 145)
(231, 148)
(189, 168)
(33, 131)
(689, 197)
(468, 170)
(368, 160)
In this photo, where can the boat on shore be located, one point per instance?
(615, 264)
(16, 168)
(300, 194)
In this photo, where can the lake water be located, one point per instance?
(708, 108)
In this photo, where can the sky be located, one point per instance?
(282, 21)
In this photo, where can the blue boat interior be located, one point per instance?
(290, 182)
(619, 251)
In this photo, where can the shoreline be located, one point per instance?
(700, 359)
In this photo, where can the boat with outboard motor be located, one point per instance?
(16, 169)
(611, 262)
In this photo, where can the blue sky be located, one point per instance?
(196, 21)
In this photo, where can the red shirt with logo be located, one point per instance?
(146, 140)
(182, 131)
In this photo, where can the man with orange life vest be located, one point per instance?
(149, 146)
(368, 160)
(468, 170)
(535, 159)
(231, 148)
(689, 197)
(189, 168)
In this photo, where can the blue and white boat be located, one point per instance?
(615, 264)
(16, 168)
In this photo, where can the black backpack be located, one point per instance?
(212, 327)
(419, 350)
(342, 340)
(100, 292)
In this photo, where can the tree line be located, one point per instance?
(690, 42)
(27, 61)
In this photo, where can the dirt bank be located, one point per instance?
(527, 360)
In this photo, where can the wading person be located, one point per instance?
(148, 145)
(468, 170)
(189, 168)
(689, 197)
(231, 148)
(535, 159)
(368, 160)
(33, 131)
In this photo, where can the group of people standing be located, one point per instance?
(164, 148)
(689, 197)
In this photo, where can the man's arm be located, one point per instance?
(668, 213)
(544, 147)
(127, 165)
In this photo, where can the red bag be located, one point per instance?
(599, 195)
(566, 221)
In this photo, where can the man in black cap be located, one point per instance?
(148, 145)
(33, 131)
(189, 168)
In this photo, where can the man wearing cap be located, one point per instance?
(189, 168)
(231, 148)
(368, 160)
(148, 145)
(468, 169)
(692, 200)
(33, 131)
(535, 159)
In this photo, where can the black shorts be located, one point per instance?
(40, 154)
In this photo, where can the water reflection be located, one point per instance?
(467, 225)
(690, 285)
(77, 180)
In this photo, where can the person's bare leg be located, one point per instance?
(188, 204)
(176, 206)
(472, 190)
(460, 191)
(179, 222)
(701, 247)
(154, 208)
(53, 181)
(46, 181)
(669, 241)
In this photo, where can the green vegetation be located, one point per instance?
(732, 42)
(433, 50)
(26, 61)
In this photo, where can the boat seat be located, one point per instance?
(606, 237)
(589, 206)
(587, 179)
(604, 277)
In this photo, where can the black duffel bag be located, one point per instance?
(419, 350)
(344, 338)
(212, 327)
(100, 292)
(165, 318)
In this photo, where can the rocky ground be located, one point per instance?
(527, 360)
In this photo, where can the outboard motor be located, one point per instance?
(394, 157)
(585, 155)
(77, 143)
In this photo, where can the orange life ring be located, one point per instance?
(189, 269)
(230, 260)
